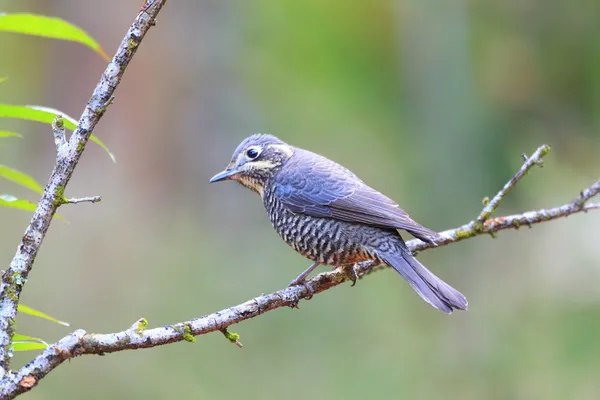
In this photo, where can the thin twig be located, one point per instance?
(515, 221)
(137, 337)
(58, 128)
(591, 206)
(93, 199)
(529, 162)
(232, 337)
(15, 276)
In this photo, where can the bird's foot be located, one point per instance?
(352, 273)
(302, 282)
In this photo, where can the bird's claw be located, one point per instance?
(353, 274)
(302, 282)
(309, 290)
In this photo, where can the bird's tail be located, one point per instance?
(431, 288)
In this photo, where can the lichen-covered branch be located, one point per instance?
(92, 199)
(530, 162)
(138, 337)
(68, 154)
(493, 225)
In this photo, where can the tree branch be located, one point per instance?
(92, 199)
(535, 159)
(68, 154)
(138, 337)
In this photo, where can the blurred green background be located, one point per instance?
(431, 102)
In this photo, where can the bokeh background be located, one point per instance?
(431, 102)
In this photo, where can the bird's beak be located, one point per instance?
(221, 176)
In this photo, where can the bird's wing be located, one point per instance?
(315, 186)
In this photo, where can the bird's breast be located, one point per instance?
(327, 240)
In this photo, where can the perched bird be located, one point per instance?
(327, 214)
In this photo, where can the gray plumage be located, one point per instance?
(330, 216)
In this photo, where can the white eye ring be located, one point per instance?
(253, 152)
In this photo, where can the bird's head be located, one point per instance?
(255, 161)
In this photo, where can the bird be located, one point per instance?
(330, 216)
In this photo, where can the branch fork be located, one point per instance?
(68, 154)
(490, 206)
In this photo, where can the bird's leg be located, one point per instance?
(302, 277)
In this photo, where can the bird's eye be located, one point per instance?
(252, 153)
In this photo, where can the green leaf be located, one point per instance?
(24, 343)
(46, 115)
(20, 178)
(21, 338)
(5, 134)
(27, 345)
(36, 313)
(53, 28)
(6, 200)
(10, 201)
(3, 78)
(103, 147)
(34, 113)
